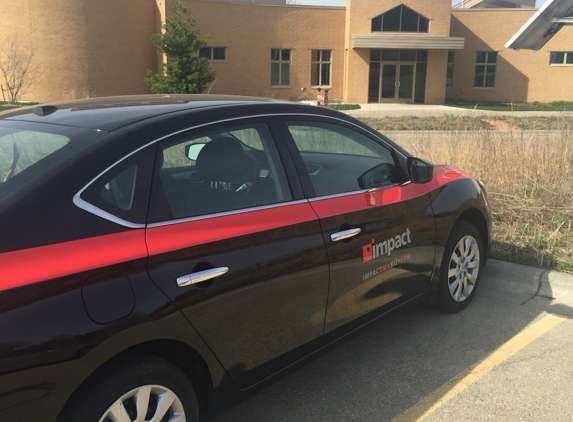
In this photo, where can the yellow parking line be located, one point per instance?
(460, 382)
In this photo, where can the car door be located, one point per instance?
(238, 250)
(378, 227)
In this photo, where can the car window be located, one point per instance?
(31, 153)
(339, 159)
(122, 191)
(219, 170)
(20, 149)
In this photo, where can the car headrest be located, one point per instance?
(222, 159)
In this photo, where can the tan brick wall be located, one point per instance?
(84, 47)
(521, 76)
(96, 48)
(436, 77)
(250, 31)
(359, 14)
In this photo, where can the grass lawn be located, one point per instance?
(344, 106)
(554, 106)
(4, 105)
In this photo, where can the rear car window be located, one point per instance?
(30, 151)
(21, 149)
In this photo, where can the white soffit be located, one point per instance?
(545, 23)
(401, 41)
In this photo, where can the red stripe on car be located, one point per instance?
(329, 207)
(27, 266)
(186, 234)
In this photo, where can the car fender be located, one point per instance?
(461, 199)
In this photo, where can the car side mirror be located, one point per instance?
(192, 151)
(381, 175)
(420, 171)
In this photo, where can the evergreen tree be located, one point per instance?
(185, 72)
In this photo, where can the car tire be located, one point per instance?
(135, 384)
(460, 271)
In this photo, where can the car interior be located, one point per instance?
(226, 175)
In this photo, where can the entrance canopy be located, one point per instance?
(545, 23)
(402, 41)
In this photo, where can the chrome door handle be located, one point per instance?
(199, 276)
(344, 234)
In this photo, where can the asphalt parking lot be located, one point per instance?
(507, 357)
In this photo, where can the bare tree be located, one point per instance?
(17, 66)
(292, 2)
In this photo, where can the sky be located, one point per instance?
(342, 2)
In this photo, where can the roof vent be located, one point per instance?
(45, 110)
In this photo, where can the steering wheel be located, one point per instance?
(255, 174)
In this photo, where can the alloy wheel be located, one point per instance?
(463, 268)
(148, 403)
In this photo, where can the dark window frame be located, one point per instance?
(320, 64)
(450, 69)
(378, 22)
(487, 65)
(567, 58)
(209, 53)
(281, 61)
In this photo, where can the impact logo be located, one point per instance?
(375, 250)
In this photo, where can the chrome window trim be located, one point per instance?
(86, 206)
(92, 209)
(355, 192)
(225, 213)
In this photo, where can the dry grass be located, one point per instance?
(554, 122)
(446, 122)
(560, 121)
(529, 178)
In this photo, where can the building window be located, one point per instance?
(280, 67)
(320, 68)
(450, 70)
(214, 54)
(400, 19)
(486, 62)
(557, 58)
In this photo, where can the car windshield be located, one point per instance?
(28, 150)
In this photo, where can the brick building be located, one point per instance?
(369, 51)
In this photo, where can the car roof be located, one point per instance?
(111, 113)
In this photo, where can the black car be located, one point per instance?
(162, 255)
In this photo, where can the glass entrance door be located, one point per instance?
(397, 82)
(405, 79)
(388, 81)
(397, 76)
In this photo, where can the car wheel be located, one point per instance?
(461, 268)
(147, 389)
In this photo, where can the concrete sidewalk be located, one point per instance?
(528, 283)
(424, 110)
